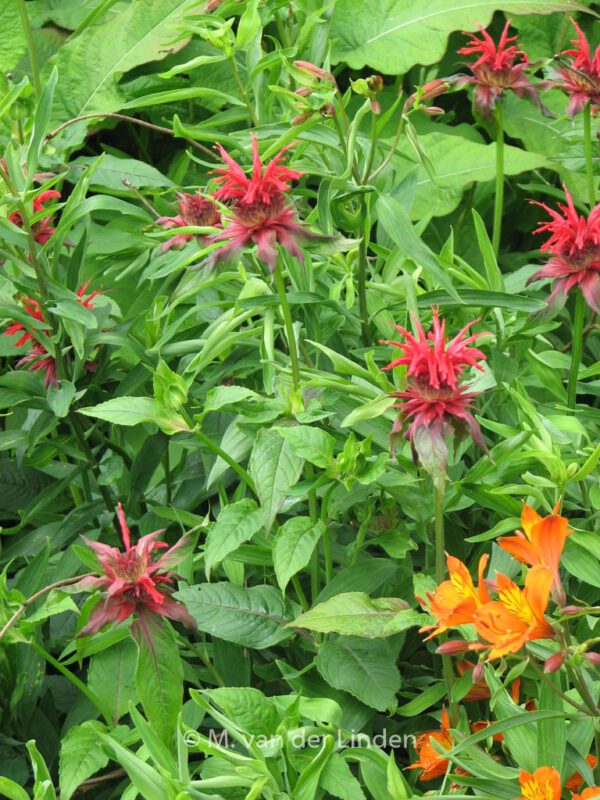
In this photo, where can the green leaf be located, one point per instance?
(60, 398)
(293, 546)
(111, 677)
(12, 46)
(458, 163)
(142, 32)
(398, 227)
(494, 277)
(275, 468)
(424, 700)
(369, 410)
(391, 37)
(357, 614)
(246, 707)
(12, 790)
(308, 780)
(19, 486)
(222, 396)
(136, 410)
(310, 443)
(337, 780)
(366, 670)
(237, 523)
(255, 617)
(551, 733)
(478, 298)
(159, 674)
(148, 781)
(112, 172)
(80, 757)
(581, 564)
(43, 787)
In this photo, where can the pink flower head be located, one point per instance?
(499, 68)
(574, 243)
(434, 398)
(261, 212)
(581, 78)
(194, 210)
(132, 582)
(38, 359)
(42, 229)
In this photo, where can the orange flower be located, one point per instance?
(541, 541)
(543, 784)
(575, 782)
(432, 763)
(588, 794)
(456, 600)
(517, 617)
(482, 725)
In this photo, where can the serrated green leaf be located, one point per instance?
(237, 523)
(357, 614)
(293, 546)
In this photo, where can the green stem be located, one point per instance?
(313, 512)
(589, 159)
(87, 451)
(243, 92)
(499, 196)
(35, 71)
(439, 490)
(362, 281)
(289, 328)
(360, 539)
(300, 593)
(372, 149)
(214, 447)
(576, 348)
(79, 684)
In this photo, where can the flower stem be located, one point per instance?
(243, 92)
(589, 159)
(576, 348)
(362, 276)
(218, 451)
(35, 71)
(439, 490)
(499, 195)
(289, 328)
(77, 682)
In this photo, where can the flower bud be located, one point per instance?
(571, 611)
(478, 672)
(316, 72)
(593, 658)
(554, 663)
(572, 470)
(454, 647)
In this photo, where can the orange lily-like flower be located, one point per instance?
(543, 784)
(588, 794)
(456, 600)
(541, 541)
(430, 761)
(517, 617)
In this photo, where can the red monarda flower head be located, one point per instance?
(580, 78)
(38, 359)
(574, 244)
(194, 210)
(42, 229)
(434, 399)
(132, 582)
(499, 68)
(261, 211)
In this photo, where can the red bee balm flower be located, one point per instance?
(261, 212)
(194, 210)
(581, 78)
(42, 229)
(495, 71)
(38, 358)
(132, 582)
(434, 398)
(575, 247)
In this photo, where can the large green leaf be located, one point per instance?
(19, 486)
(393, 35)
(357, 614)
(134, 411)
(365, 669)
(293, 547)
(91, 64)
(237, 523)
(12, 41)
(458, 162)
(159, 675)
(111, 677)
(255, 617)
(80, 757)
(112, 171)
(275, 468)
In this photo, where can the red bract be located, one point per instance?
(434, 398)
(261, 212)
(581, 78)
(42, 230)
(38, 359)
(132, 582)
(495, 71)
(193, 210)
(574, 243)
